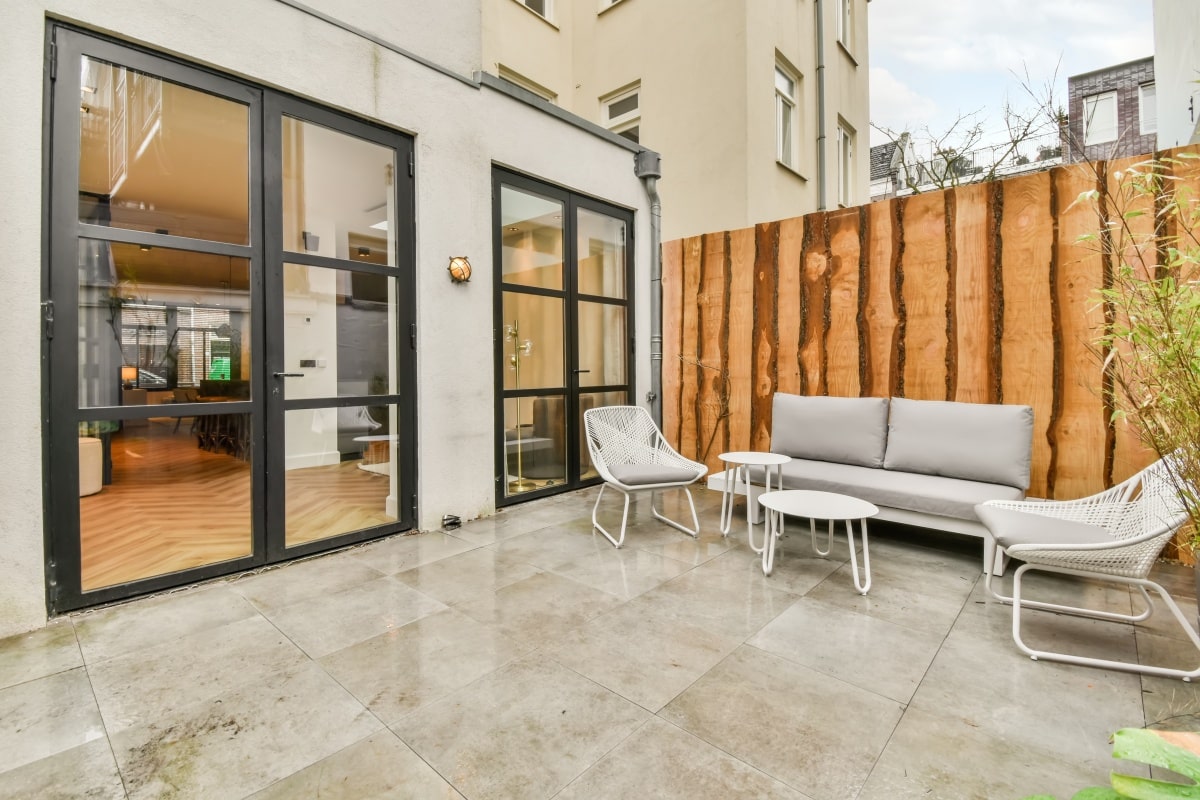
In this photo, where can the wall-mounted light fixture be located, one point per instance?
(460, 269)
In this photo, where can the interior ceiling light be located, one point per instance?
(380, 226)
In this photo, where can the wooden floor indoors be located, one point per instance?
(172, 505)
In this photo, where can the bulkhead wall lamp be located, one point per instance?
(460, 269)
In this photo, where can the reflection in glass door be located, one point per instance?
(345, 454)
(563, 331)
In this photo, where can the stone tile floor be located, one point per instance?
(521, 656)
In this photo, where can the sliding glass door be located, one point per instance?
(563, 333)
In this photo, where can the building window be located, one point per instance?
(530, 86)
(543, 8)
(622, 113)
(845, 156)
(1147, 109)
(785, 116)
(845, 20)
(1100, 118)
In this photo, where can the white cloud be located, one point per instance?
(893, 101)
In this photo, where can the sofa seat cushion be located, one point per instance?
(925, 494)
(650, 474)
(1011, 527)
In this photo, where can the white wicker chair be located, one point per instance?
(631, 455)
(1114, 536)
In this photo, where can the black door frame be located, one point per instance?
(572, 202)
(62, 232)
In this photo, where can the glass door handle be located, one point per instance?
(578, 371)
(289, 374)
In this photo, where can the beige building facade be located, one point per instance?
(760, 109)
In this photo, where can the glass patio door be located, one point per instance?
(563, 333)
(228, 289)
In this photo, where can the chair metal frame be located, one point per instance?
(619, 435)
(1141, 515)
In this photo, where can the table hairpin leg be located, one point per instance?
(767, 524)
(727, 495)
(812, 531)
(864, 587)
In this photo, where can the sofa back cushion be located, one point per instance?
(974, 441)
(845, 430)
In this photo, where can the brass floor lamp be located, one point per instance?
(521, 350)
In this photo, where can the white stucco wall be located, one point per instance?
(1176, 70)
(460, 132)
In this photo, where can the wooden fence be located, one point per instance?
(979, 293)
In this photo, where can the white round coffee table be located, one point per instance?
(737, 467)
(815, 506)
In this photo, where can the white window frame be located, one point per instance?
(547, 12)
(626, 120)
(1094, 128)
(518, 79)
(787, 115)
(845, 158)
(845, 22)
(1147, 122)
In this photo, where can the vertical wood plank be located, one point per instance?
(672, 319)
(766, 332)
(710, 304)
(792, 306)
(924, 297)
(881, 318)
(973, 331)
(841, 340)
(688, 384)
(741, 335)
(1027, 342)
(1079, 431)
(815, 290)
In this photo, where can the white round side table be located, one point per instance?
(737, 467)
(819, 505)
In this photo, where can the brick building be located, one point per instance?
(1112, 111)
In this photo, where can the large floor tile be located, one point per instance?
(928, 600)
(518, 520)
(622, 572)
(145, 685)
(980, 676)
(87, 771)
(869, 652)
(380, 766)
(813, 732)
(798, 573)
(407, 667)
(645, 655)
(540, 608)
(467, 576)
(121, 629)
(549, 547)
(331, 622)
(935, 757)
(293, 583)
(39, 653)
(1170, 703)
(725, 603)
(46, 716)
(242, 741)
(398, 553)
(524, 731)
(662, 761)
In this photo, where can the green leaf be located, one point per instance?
(1098, 793)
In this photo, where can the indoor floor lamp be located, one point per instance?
(521, 350)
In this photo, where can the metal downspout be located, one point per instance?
(820, 25)
(649, 169)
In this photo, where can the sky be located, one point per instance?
(933, 61)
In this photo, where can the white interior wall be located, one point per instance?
(460, 131)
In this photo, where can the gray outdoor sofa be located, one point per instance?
(922, 462)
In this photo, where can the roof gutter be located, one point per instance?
(821, 167)
(648, 167)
